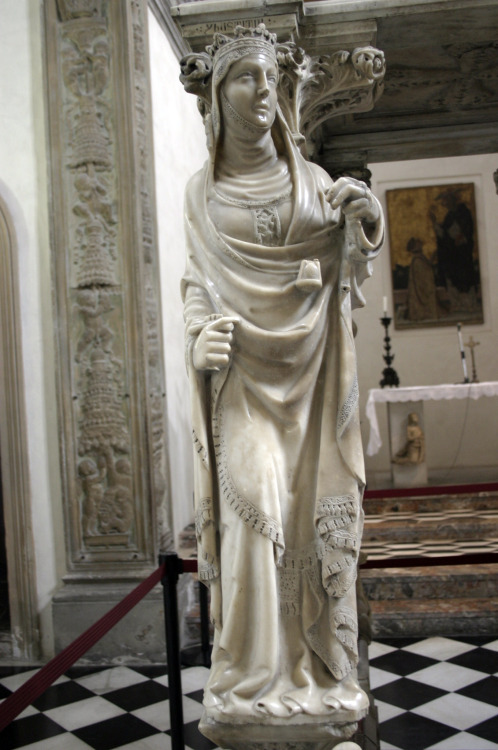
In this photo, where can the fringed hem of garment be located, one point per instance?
(252, 516)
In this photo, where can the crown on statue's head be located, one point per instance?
(226, 49)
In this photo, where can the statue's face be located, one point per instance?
(251, 89)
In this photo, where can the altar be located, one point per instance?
(409, 400)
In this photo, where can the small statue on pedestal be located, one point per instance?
(276, 253)
(413, 452)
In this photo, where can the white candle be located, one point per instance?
(384, 302)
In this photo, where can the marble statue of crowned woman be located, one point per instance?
(276, 251)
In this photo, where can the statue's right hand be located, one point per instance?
(213, 344)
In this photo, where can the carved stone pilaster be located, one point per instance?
(111, 381)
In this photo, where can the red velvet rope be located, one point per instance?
(39, 682)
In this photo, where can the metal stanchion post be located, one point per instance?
(204, 612)
(169, 581)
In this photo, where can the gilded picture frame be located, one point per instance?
(434, 256)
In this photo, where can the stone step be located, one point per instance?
(442, 600)
(431, 583)
(449, 617)
(390, 504)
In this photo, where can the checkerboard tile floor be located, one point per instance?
(432, 694)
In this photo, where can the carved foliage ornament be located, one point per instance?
(310, 90)
(104, 470)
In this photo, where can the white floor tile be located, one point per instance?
(379, 649)
(156, 742)
(493, 645)
(162, 680)
(192, 710)
(29, 711)
(446, 676)
(16, 680)
(387, 746)
(379, 677)
(110, 679)
(439, 648)
(456, 711)
(85, 712)
(157, 715)
(60, 742)
(387, 711)
(194, 678)
(463, 741)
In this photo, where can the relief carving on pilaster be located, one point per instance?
(115, 480)
(106, 514)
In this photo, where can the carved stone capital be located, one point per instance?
(314, 89)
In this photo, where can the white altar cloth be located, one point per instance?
(419, 393)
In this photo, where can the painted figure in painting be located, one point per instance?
(422, 300)
(276, 253)
(455, 242)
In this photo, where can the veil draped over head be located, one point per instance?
(203, 73)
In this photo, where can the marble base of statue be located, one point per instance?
(297, 733)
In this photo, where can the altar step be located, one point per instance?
(432, 599)
(446, 600)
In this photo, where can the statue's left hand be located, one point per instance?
(354, 199)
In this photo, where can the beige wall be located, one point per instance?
(461, 436)
(180, 151)
(23, 168)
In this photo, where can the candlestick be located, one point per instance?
(462, 353)
(384, 306)
(390, 376)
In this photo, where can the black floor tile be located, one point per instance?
(112, 733)
(402, 662)
(412, 732)
(487, 730)
(474, 640)
(482, 659)
(28, 730)
(193, 738)
(75, 672)
(4, 692)
(398, 642)
(197, 695)
(485, 691)
(137, 696)
(8, 671)
(152, 670)
(407, 694)
(61, 695)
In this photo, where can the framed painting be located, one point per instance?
(434, 256)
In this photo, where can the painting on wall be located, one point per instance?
(434, 256)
